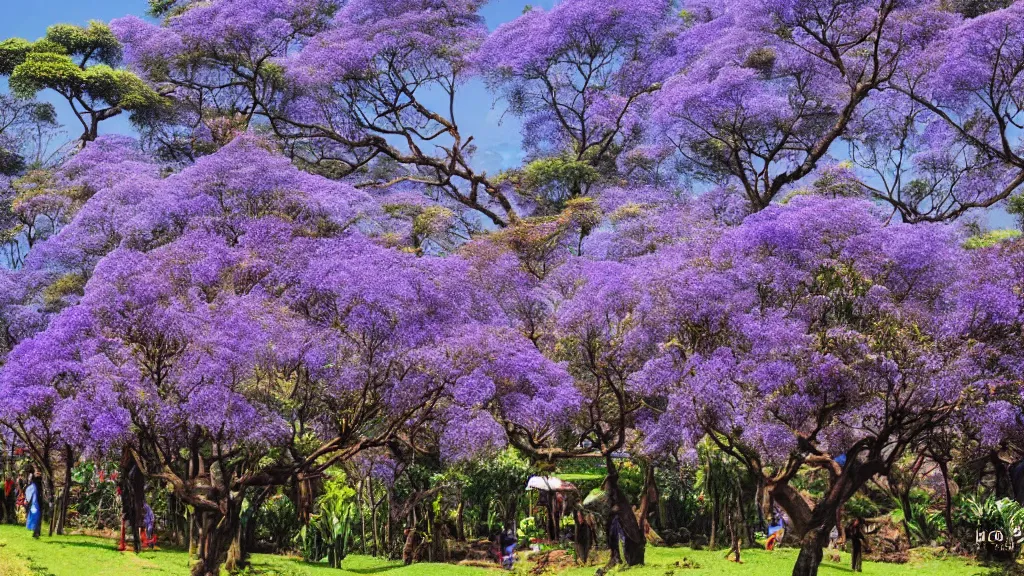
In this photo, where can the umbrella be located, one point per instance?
(549, 484)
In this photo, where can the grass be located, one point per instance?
(20, 555)
(662, 562)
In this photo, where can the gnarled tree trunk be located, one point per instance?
(61, 511)
(810, 556)
(219, 530)
(622, 522)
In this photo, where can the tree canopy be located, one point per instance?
(749, 225)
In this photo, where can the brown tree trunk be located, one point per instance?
(61, 512)
(362, 516)
(193, 536)
(460, 519)
(242, 540)
(811, 546)
(813, 528)
(50, 496)
(648, 499)
(947, 508)
(714, 522)
(375, 504)
(218, 533)
(634, 543)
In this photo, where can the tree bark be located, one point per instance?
(947, 508)
(62, 507)
(373, 518)
(218, 533)
(243, 540)
(648, 499)
(460, 519)
(811, 546)
(362, 516)
(50, 492)
(634, 544)
(813, 533)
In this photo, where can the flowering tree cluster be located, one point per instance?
(301, 262)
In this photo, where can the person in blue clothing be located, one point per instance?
(508, 540)
(33, 503)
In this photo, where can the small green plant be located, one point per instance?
(330, 529)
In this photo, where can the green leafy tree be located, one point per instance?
(81, 65)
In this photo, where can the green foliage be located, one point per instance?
(989, 239)
(96, 504)
(862, 506)
(1015, 206)
(560, 169)
(926, 524)
(491, 487)
(277, 522)
(80, 64)
(980, 512)
(13, 51)
(65, 285)
(330, 528)
(529, 530)
(48, 70)
(94, 42)
(550, 182)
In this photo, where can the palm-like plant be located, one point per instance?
(330, 529)
(989, 514)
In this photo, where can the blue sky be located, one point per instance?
(497, 138)
(496, 135)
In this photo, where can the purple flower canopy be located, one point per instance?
(312, 267)
(735, 224)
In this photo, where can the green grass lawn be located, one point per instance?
(20, 555)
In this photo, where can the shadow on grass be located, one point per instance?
(95, 545)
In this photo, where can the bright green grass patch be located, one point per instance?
(20, 555)
(662, 562)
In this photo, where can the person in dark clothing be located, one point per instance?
(132, 490)
(586, 534)
(858, 539)
(507, 542)
(735, 524)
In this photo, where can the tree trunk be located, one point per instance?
(373, 519)
(62, 506)
(50, 492)
(811, 545)
(947, 508)
(908, 511)
(648, 499)
(819, 522)
(714, 522)
(237, 552)
(362, 516)
(218, 533)
(511, 510)
(634, 544)
(460, 519)
(193, 536)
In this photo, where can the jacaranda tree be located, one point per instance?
(734, 229)
(812, 336)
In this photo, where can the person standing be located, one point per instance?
(33, 504)
(734, 519)
(858, 539)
